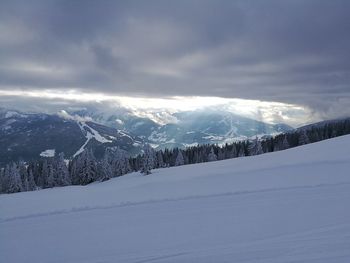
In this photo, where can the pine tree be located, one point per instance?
(303, 138)
(31, 182)
(148, 160)
(179, 159)
(231, 153)
(106, 168)
(125, 165)
(35, 167)
(212, 156)
(222, 153)
(83, 168)
(3, 181)
(14, 179)
(241, 152)
(119, 160)
(87, 167)
(24, 176)
(62, 177)
(255, 148)
(160, 161)
(73, 171)
(285, 143)
(43, 178)
(50, 176)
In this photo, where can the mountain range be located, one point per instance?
(185, 128)
(28, 136)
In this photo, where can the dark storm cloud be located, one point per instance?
(292, 51)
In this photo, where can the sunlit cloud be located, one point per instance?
(160, 109)
(121, 52)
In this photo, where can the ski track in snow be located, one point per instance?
(123, 204)
(289, 206)
(89, 135)
(97, 136)
(269, 227)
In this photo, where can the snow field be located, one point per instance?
(288, 206)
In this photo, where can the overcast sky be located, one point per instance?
(291, 51)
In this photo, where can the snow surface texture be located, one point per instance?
(288, 206)
(48, 153)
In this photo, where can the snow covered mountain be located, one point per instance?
(185, 128)
(29, 136)
(286, 206)
(322, 124)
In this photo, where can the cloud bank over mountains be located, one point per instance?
(294, 52)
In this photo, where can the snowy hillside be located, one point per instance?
(287, 206)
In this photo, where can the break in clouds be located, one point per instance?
(293, 51)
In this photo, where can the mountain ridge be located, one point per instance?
(207, 126)
(28, 136)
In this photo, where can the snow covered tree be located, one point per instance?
(124, 163)
(50, 176)
(106, 169)
(3, 181)
(119, 161)
(285, 143)
(231, 151)
(278, 142)
(179, 159)
(88, 172)
(241, 152)
(255, 147)
(62, 177)
(35, 168)
(14, 179)
(31, 182)
(24, 176)
(303, 138)
(148, 160)
(84, 168)
(42, 178)
(160, 161)
(222, 153)
(212, 156)
(72, 168)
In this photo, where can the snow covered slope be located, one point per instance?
(29, 136)
(288, 206)
(165, 129)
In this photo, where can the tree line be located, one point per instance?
(85, 168)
